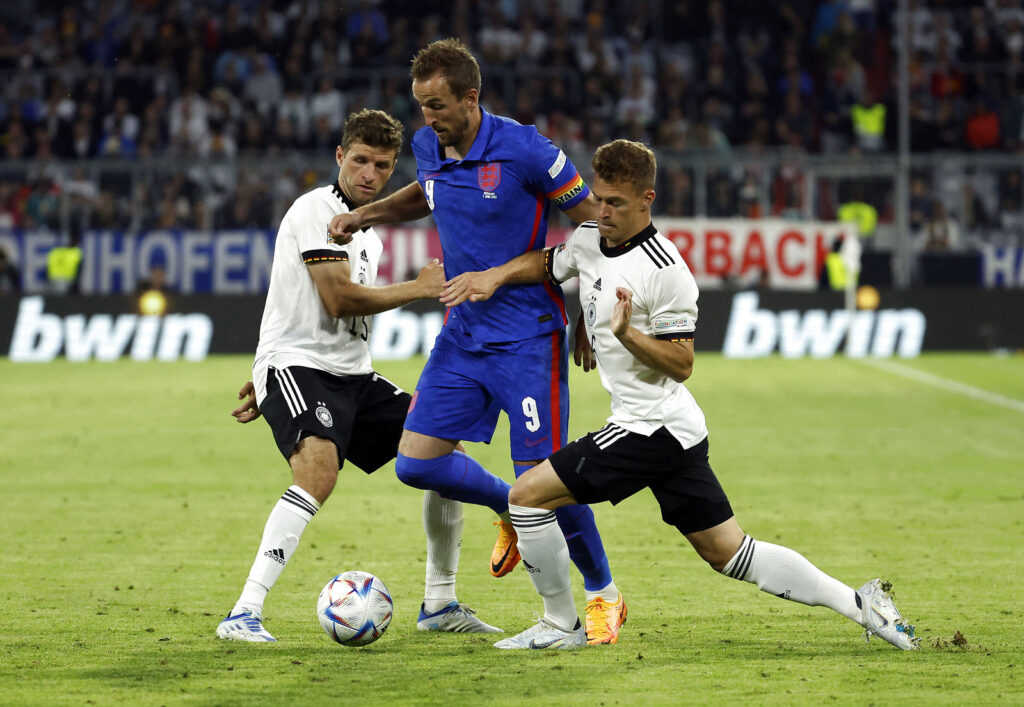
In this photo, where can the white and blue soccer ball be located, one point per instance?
(355, 608)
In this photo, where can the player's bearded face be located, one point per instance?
(448, 116)
(364, 170)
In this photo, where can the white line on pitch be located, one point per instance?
(944, 383)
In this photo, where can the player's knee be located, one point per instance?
(521, 495)
(417, 472)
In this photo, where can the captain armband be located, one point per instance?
(676, 337)
(324, 256)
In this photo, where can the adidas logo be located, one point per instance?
(277, 554)
(362, 256)
(597, 284)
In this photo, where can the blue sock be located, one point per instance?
(585, 547)
(456, 476)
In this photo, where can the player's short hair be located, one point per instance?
(453, 60)
(374, 128)
(626, 161)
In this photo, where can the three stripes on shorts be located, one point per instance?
(291, 392)
(609, 435)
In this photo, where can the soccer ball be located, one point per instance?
(355, 608)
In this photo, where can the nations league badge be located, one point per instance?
(591, 313)
(324, 415)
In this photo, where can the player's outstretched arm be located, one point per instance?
(344, 298)
(673, 358)
(248, 410)
(406, 204)
(478, 286)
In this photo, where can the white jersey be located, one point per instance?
(664, 306)
(297, 330)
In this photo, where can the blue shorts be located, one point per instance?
(460, 394)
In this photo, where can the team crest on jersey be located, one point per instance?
(324, 415)
(488, 176)
(591, 313)
(362, 278)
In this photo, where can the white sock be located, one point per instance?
(442, 522)
(609, 593)
(290, 516)
(546, 557)
(789, 575)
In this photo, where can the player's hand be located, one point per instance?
(582, 352)
(343, 226)
(472, 286)
(247, 411)
(431, 279)
(622, 311)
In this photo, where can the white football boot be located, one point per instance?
(883, 619)
(454, 618)
(545, 634)
(244, 626)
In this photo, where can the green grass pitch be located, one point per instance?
(132, 505)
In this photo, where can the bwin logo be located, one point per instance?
(39, 336)
(754, 332)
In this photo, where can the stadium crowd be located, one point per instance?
(215, 85)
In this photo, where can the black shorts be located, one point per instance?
(612, 464)
(363, 415)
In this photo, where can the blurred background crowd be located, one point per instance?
(138, 114)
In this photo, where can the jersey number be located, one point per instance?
(352, 329)
(530, 410)
(428, 191)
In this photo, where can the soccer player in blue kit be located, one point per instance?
(489, 183)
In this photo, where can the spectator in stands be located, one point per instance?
(122, 121)
(637, 103)
(868, 118)
(826, 19)
(973, 213)
(532, 42)
(920, 206)
(367, 19)
(188, 121)
(942, 232)
(10, 275)
(15, 141)
(328, 104)
(672, 131)
(947, 79)
(949, 133)
(115, 141)
(8, 212)
(679, 191)
(63, 264)
(263, 87)
(794, 127)
(981, 130)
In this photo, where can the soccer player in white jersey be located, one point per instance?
(640, 308)
(314, 381)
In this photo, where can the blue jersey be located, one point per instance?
(491, 207)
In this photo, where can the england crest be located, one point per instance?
(488, 176)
